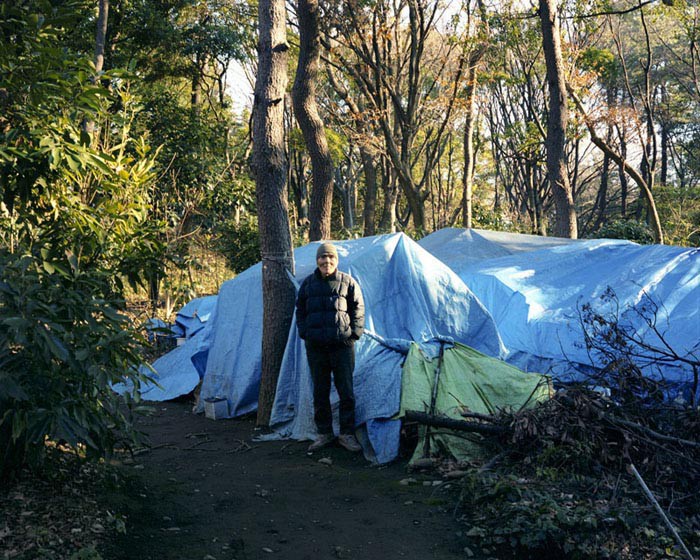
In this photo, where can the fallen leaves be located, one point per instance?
(54, 513)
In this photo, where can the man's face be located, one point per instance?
(327, 264)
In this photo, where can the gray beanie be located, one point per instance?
(326, 249)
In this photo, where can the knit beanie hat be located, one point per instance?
(326, 249)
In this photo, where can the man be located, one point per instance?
(330, 318)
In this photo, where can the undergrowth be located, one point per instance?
(564, 490)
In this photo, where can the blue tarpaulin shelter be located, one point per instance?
(507, 295)
(409, 296)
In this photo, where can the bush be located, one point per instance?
(75, 224)
(575, 517)
(626, 229)
(62, 348)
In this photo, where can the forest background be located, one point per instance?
(125, 165)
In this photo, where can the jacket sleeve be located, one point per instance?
(356, 310)
(301, 311)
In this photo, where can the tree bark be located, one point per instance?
(101, 35)
(369, 211)
(565, 225)
(469, 152)
(99, 60)
(306, 111)
(270, 168)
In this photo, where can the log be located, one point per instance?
(453, 424)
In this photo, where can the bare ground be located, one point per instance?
(206, 490)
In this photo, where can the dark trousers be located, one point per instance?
(340, 360)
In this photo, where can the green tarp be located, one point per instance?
(467, 381)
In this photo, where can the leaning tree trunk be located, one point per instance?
(644, 188)
(306, 111)
(565, 224)
(270, 169)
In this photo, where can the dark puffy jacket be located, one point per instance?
(330, 310)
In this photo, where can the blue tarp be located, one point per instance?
(194, 315)
(534, 292)
(178, 372)
(409, 296)
(507, 295)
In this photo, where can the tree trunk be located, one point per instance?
(306, 111)
(601, 203)
(369, 212)
(100, 41)
(469, 153)
(565, 225)
(101, 35)
(624, 185)
(345, 187)
(270, 169)
(663, 179)
(391, 193)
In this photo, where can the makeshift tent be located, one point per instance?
(409, 296)
(487, 289)
(534, 295)
(464, 380)
(179, 371)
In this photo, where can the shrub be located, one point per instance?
(62, 348)
(626, 229)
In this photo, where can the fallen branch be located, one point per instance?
(477, 415)
(617, 421)
(651, 433)
(453, 424)
(202, 442)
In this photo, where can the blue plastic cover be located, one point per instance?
(195, 314)
(534, 293)
(409, 296)
(506, 295)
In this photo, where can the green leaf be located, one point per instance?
(11, 390)
(55, 346)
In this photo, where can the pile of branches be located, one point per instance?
(662, 438)
(568, 478)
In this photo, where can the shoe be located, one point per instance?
(349, 442)
(320, 442)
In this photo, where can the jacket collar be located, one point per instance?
(333, 276)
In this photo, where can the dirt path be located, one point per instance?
(211, 493)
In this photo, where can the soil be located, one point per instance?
(207, 490)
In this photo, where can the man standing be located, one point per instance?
(330, 318)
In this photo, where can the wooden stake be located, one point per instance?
(631, 468)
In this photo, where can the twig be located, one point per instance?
(242, 446)
(196, 444)
(653, 500)
(650, 432)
